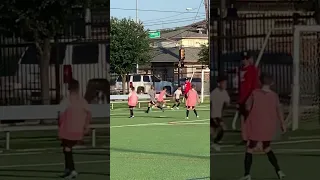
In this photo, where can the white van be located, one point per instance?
(82, 62)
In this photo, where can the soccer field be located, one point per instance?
(160, 145)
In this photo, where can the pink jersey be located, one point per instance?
(74, 118)
(133, 99)
(262, 121)
(161, 95)
(192, 98)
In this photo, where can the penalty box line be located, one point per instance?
(161, 124)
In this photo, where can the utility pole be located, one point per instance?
(137, 21)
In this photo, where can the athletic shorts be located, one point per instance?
(68, 143)
(130, 107)
(243, 110)
(190, 107)
(252, 144)
(177, 100)
(215, 122)
(152, 102)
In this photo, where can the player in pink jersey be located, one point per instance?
(132, 101)
(192, 101)
(261, 124)
(74, 123)
(160, 100)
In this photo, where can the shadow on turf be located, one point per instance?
(159, 153)
(13, 171)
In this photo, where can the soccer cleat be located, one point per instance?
(216, 146)
(197, 116)
(187, 117)
(281, 175)
(131, 117)
(172, 109)
(177, 108)
(247, 177)
(72, 175)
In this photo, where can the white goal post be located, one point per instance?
(205, 84)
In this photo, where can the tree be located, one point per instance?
(204, 55)
(129, 46)
(39, 21)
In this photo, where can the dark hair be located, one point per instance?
(179, 86)
(164, 88)
(73, 85)
(266, 79)
(132, 88)
(221, 79)
(193, 86)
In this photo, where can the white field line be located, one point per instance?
(153, 111)
(158, 124)
(285, 151)
(52, 164)
(282, 142)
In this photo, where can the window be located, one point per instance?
(85, 54)
(155, 79)
(136, 78)
(120, 78)
(146, 79)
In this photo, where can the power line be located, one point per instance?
(168, 16)
(154, 10)
(195, 18)
(172, 22)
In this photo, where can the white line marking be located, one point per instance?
(157, 124)
(52, 164)
(304, 137)
(285, 151)
(154, 111)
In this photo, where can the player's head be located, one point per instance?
(164, 88)
(152, 87)
(246, 59)
(222, 82)
(266, 79)
(179, 87)
(132, 88)
(74, 86)
(187, 80)
(193, 86)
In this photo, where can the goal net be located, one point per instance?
(205, 84)
(304, 109)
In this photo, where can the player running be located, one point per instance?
(249, 81)
(177, 95)
(132, 101)
(152, 102)
(160, 100)
(192, 100)
(219, 99)
(261, 124)
(74, 123)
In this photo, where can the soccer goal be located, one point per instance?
(205, 84)
(304, 110)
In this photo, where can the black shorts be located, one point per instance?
(252, 144)
(68, 143)
(177, 100)
(190, 107)
(130, 107)
(243, 111)
(152, 102)
(215, 122)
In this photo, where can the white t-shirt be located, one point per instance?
(218, 99)
(178, 93)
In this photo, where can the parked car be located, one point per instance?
(142, 83)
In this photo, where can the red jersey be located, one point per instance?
(249, 81)
(187, 87)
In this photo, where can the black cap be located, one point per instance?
(245, 55)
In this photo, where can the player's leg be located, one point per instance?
(178, 103)
(219, 129)
(149, 106)
(131, 111)
(215, 131)
(70, 172)
(243, 116)
(187, 112)
(195, 111)
(159, 105)
(251, 145)
(272, 159)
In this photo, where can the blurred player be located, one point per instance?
(249, 81)
(74, 123)
(192, 101)
(160, 100)
(219, 98)
(187, 88)
(132, 101)
(152, 102)
(177, 95)
(261, 124)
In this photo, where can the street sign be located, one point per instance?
(154, 34)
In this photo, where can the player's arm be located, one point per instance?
(249, 102)
(247, 85)
(227, 99)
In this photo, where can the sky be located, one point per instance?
(154, 20)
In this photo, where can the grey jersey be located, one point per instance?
(152, 94)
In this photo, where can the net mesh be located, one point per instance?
(309, 98)
(206, 82)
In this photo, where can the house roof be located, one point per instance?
(183, 33)
(162, 54)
